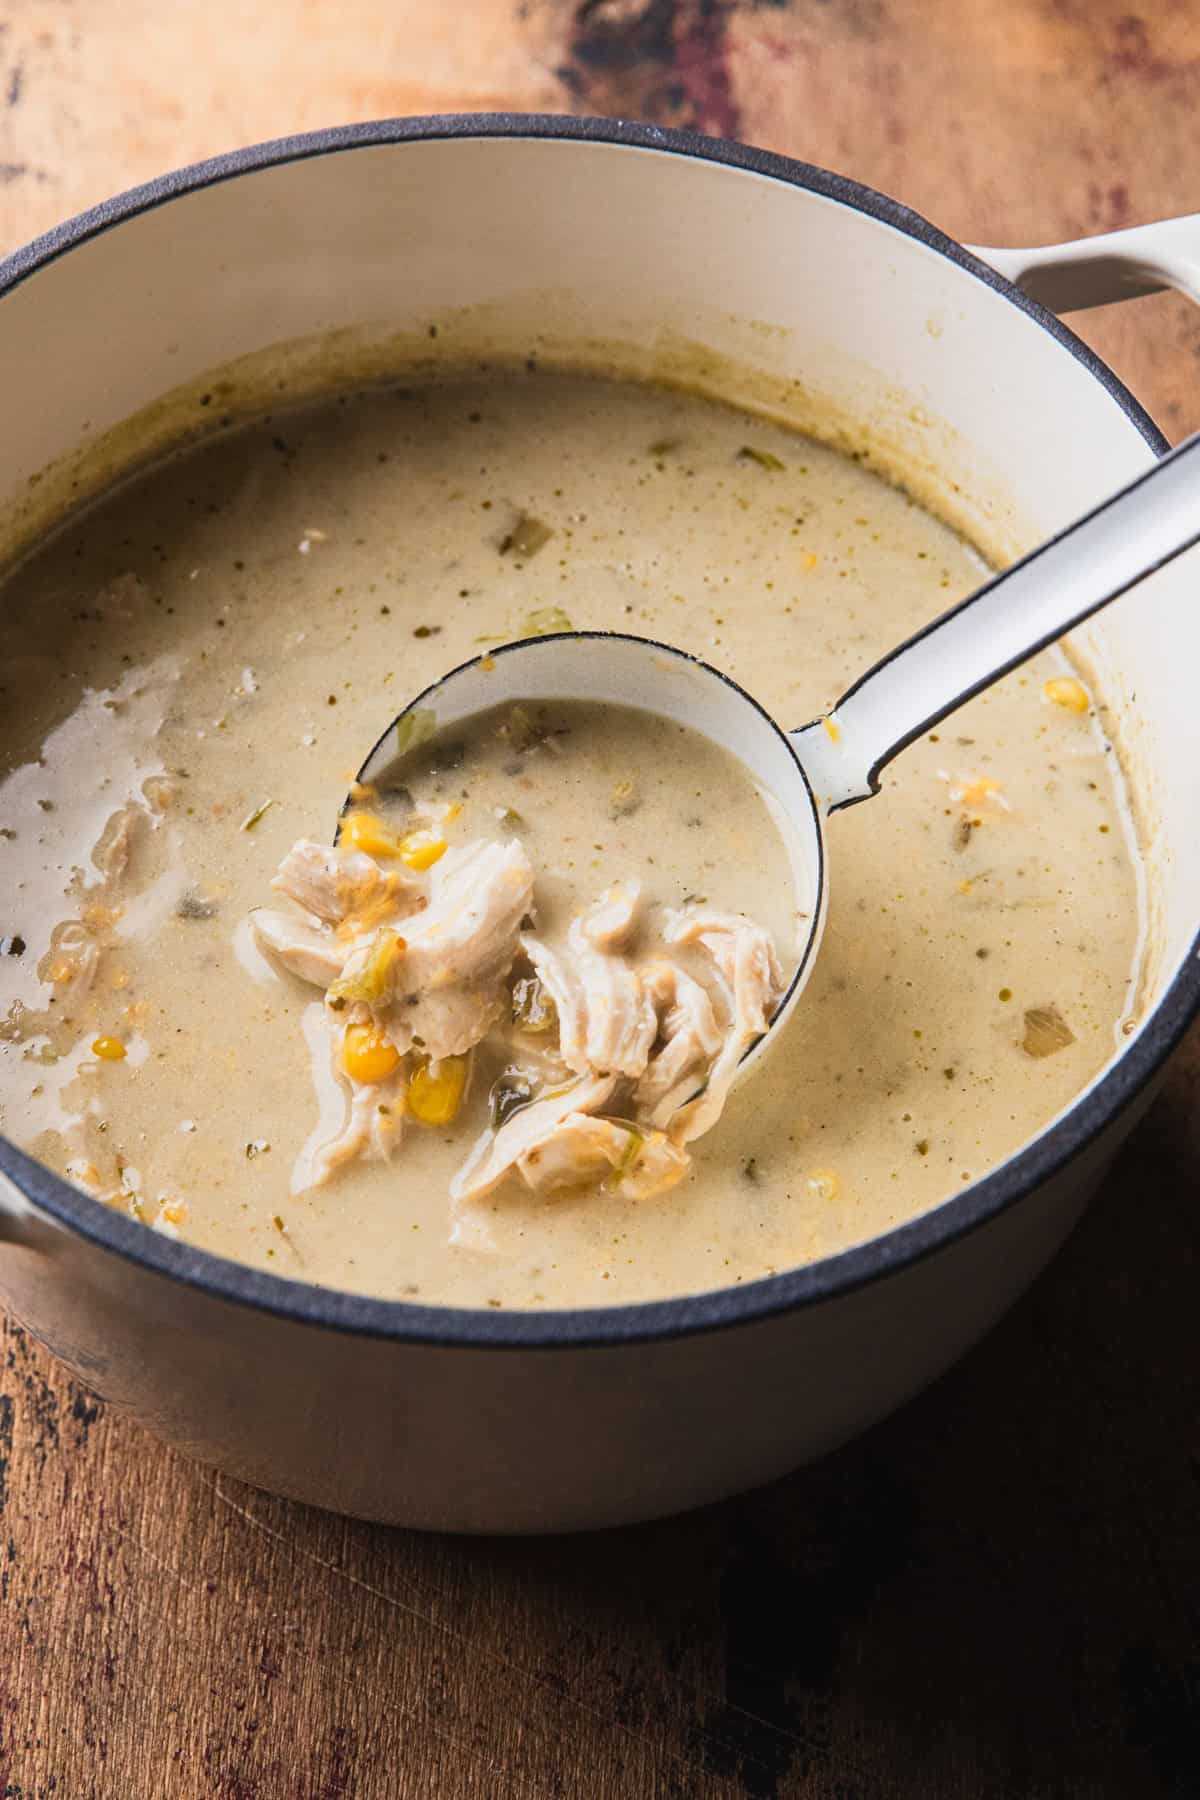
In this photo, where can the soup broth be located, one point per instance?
(196, 666)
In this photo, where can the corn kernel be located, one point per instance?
(434, 1098)
(367, 1055)
(421, 849)
(823, 1184)
(111, 1049)
(832, 730)
(173, 1211)
(363, 831)
(1064, 690)
(977, 790)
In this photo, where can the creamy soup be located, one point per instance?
(195, 668)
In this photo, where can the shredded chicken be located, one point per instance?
(497, 1152)
(337, 884)
(358, 1120)
(606, 1019)
(579, 1151)
(310, 951)
(658, 1165)
(583, 1150)
(459, 951)
(480, 895)
(744, 956)
(451, 937)
(689, 1041)
(609, 925)
(751, 981)
(373, 1127)
(631, 1061)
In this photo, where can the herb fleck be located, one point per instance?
(527, 537)
(252, 818)
(766, 459)
(1046, 1031)
(546, 619)
(193, 905)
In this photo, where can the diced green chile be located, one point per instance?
(509, 1093)
(533, 1008)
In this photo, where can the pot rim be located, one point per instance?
(454, 1327)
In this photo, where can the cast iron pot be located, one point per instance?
(495, 1421)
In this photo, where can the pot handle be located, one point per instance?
(1118, 265)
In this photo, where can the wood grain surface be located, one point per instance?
(997, 1592)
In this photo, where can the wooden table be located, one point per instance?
(997, 1592)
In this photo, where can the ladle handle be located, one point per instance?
(1002, 625)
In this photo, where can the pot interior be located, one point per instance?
(855, 324)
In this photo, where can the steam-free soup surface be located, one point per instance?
(197, 667)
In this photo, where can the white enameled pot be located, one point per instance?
(700, 258)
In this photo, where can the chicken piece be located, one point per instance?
(450, 981)
(496, 1152)
(581, 1150)
(356, 1120)
(751, 981)
(446, 1023)
(312, 952)
(576, 1152)
(609, 924)
(658, 1165)
(690, 1039)
(606, 1019)
(374, 1125)
(338, 884)
(446, 987)
(538, 1060)
(744, 956)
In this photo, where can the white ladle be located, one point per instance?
(836, 761)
